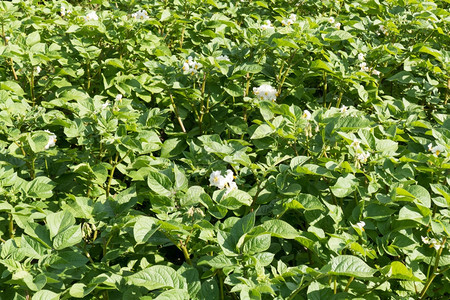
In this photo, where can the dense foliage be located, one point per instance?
(224, 149)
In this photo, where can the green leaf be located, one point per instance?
(173, 147)
(210, 290)
(59, 221)
(33, 38)
(386, 147)
(415, 193)
(67, 238)
(234, 90)
(45, 295)
(40, 187)
(80, 290)
(144, 228)
(236, 199)
(321, 65)
(175, 294)
(262, 131)
(400, 271)
(306, 202)
(159, 183)
(158, 277)
(280, 229)
(257, 244)
(338, 35)
(219, 261)
(348, 265)
(311, 169)
(344, 186)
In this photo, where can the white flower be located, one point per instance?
(51, 140)
(337, 25)
(364, 67)
(331, 20)
(306, 114)
(119, 97)
(140, 15)
(432, 242)
(216, 179)
(343, 109)
(355, 144)
(231, 187)
(363, 156)
(376, 72)
(361, 56)
(190, 66)
(290, 21)
(105, 105)
(384, 30)
(37, 69)
(436, 150)
(65, 12)
(267, 25)
(7, 38)
(265, 92)
(361, 225)
(91, 16)
(426, 240)
(223, 57)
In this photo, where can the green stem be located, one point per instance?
(111, 175)
(303, 286)
(434, 273)
(11, 226)
(220, 275)
(32, 88)
(324, 89)
(348, 283)
(186, 254)
(177, 115)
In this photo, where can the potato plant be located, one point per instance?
(218, 149)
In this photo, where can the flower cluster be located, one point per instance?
(383, 30)
(140, 15)
(290, 21)
(432, 242)
(365, 68)
(51, 140)
(436, 150)
(360, 155)
(227, 181)
(65, 12)
(267, 25)
(265, 92)
(91, 16)
(190, 66)
(223, 58)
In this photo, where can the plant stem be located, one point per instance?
(175, 109)
(434, 273)
(114, 165)
(324, 89)
(186, 254)
(11, 226)
(348, 283)
(292, 296)
(220, 275)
